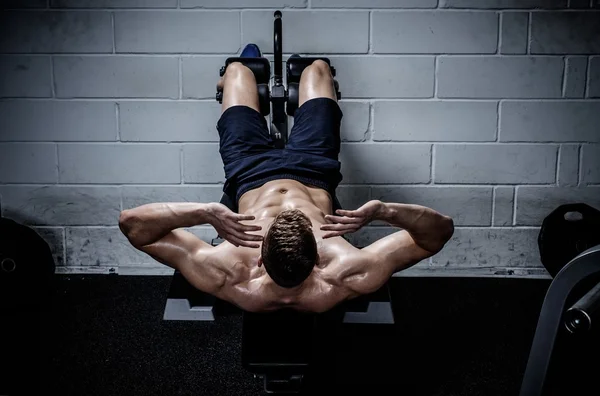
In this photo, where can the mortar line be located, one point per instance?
(514, 214)
(588, 77)
(118, 119)
(529, 23)
(52, 79)
(580, 165)
(371, 127)
(500, 29)
(64, 245)
(498, 110)
(57, 166)
(558, 158)
(435, 76)
(370, 30)
(114, 39)
(493, 206)
(432, 165)
(181, 163)
(180, 71)
(563, 82)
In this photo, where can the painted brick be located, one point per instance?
(243, 4)
(385, 163)
(551, 121)
(593, 89)
(200, 75)
(57, 121)
(25, 76)
(568, 165)
(579, 4)
(498, 4)
(55, 238)
(503, 205)
(6, 4)
(358, 80)
(535, 203)
(375, 3)
(495, 163)
(499, 77)
(117, 76)
(61, 205)
(565, 33)
(142, 195)
(476, 247)
(352, 197)
(575, 76)
(202, 163)
(590, 172)
(355, 123)
(102, 247)
(450, 201)
(113, 3)
(173, 31)
(119, 163)
(435, 121)
(427, 32)
(514, 33)
(310, 31)
(169, 121)
(28, 163)
(56, 32)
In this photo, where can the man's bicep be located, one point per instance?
(387, 256)
(188, 254)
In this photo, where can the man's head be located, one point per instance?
(289, 249)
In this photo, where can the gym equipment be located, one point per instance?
(278, 95)
(282, 365)
(566, 232)
(571, 306)
(26, 267)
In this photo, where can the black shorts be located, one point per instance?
(250, 158)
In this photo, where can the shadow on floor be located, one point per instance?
(104, 335)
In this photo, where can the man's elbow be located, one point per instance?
(127, 226)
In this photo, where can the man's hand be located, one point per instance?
(351, 220)
(227, 223)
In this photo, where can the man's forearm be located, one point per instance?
(430, 229)
(147, 224)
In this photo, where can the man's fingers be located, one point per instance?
(345, 212)
(244, 217)
(338, 227)
(333, 234)
(247, 237)
(344, 220)
(243, 227)
(237, 242)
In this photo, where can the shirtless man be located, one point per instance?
(284, 248)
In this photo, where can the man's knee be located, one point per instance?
(238, 70)
(318, 69)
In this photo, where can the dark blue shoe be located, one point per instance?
(251, 51)
(295, 56)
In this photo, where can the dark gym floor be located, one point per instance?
(104, 335)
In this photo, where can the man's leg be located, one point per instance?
(244, 139)
(316, 82)
(239, 87)
(314, 144)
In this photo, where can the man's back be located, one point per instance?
(248, 284)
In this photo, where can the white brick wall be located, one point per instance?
(486, 110)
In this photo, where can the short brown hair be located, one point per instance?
(289, 250)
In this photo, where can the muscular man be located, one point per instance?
(284, 247)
